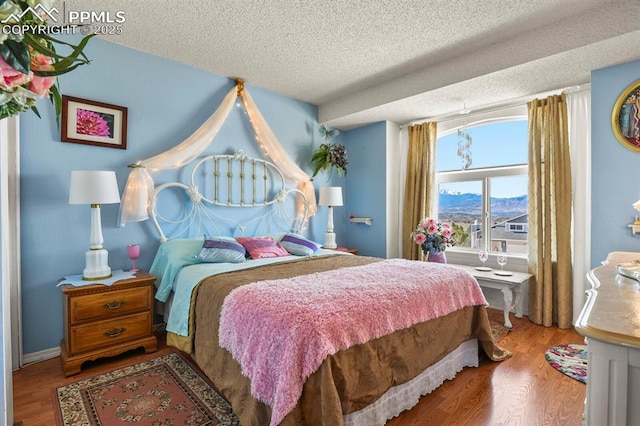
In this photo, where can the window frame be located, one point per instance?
(502, 115)
(484, 175)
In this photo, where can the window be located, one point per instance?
(481, 173)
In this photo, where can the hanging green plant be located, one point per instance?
(328, 156)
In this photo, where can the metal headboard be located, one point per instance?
(234, 181)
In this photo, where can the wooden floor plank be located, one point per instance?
(523, 390)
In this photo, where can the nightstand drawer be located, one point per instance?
(109, 332)
(109, 304)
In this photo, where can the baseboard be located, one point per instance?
(40, 356)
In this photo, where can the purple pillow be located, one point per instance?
(221, 250)
(298, 245)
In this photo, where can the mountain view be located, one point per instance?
(465, 208)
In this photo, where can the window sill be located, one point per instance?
(515, 262)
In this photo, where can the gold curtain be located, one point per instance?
(418, 194)
(550, 292)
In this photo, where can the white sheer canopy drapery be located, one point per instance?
(140, 184)
(270, 144)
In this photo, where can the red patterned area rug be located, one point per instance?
(167, 390)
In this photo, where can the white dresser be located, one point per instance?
(610, 321)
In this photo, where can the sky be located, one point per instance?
(492, 145)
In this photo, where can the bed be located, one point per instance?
(284, 338)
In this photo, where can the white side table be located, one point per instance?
(510, 285)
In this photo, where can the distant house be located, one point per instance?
(506, 236)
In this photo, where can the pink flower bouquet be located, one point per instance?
(29, 64)
(433, 236)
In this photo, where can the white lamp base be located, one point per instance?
(97, 265)
(330, 240)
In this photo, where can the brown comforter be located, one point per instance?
(346, 381)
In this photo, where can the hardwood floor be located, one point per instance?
(33, 385)
(523, 390)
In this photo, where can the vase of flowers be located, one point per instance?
(438, 257)
(434, 238)
(29, 64)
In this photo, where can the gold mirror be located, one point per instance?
(625, 118)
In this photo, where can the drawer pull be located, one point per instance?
(114, 332)
(113, 305)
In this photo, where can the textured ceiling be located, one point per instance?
(365, 61)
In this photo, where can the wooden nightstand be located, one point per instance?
(102, 321)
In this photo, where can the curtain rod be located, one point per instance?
(496, 107)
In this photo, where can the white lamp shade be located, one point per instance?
(93, 187)
(330, 196)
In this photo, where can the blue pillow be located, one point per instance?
(298, 245)
(221, 250)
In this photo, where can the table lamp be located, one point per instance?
(330, 196)
(94, 188)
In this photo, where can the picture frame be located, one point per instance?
(93, 123)
(625, 118)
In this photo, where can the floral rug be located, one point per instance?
(569, 359)
(166, 390)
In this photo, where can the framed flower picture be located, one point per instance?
(93, 123)
(625, 118)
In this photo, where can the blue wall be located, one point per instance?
(366, 189)
(3, 378)
(615, 175)
(166, 102)
(363, 190)
(319, 228)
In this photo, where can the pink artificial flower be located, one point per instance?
(419, 239)
(41, 85)
(432, 228)
(431, 222)
(10, 78)
(446, 232)
(91, 123)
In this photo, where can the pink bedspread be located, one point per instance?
(280, 331)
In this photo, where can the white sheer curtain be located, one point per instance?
(579, 111)
(140, 185)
